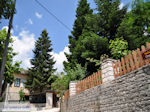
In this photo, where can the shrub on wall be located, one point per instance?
(119, 48)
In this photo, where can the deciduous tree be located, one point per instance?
(11, 67)
(6, 8)
(135, 28)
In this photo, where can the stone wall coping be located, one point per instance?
(109, 59)
(74, 81)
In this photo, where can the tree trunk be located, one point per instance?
(4, 86)
(6, 48)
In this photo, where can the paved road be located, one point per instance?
(50, 110)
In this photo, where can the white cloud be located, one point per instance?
(121, 5)
(38, 15)
(23, 45)
(59, 58)
(30, 21)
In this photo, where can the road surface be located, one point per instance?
(49, 110)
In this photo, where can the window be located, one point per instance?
(22, 83)
(17, 82)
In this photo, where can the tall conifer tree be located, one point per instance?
(82, 11)
(42, 64)
(89, 32)
(109, 17)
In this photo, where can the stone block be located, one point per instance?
(49, 100)
(127, 93)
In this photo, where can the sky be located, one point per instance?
(31, 19)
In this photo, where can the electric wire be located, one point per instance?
(53, 15)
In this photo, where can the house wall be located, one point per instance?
(13, 92)
(127, 93)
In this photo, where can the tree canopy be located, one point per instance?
(61, 84)
(6, 8)
(135, 27)
(42, 65)
(11, 67)
(91, 34)
(109, 17)
(82, 11)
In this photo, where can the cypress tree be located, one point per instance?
(42, 65)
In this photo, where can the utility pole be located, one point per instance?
(6, 46)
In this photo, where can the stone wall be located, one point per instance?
(127, 93)
(72, 88)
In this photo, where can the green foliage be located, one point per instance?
(10, 67)
(52, 78)
(42, 65)
(90, 45)
(119, 48)
(92, 23)
(22, 95)
(109, 17)
(91, 34)
(6, 8)
(61, 84)
(135, 28)
(77, 73)
(98, 62)
(82, 11)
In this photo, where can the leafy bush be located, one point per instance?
(22, 95)
(119, 48)
(61, 84)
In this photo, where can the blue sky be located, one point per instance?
(31, 19)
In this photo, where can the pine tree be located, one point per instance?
(109, 17)
(90, 45)
(82, 11)
(89, 32)
(42, 65)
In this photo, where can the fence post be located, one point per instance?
(107, 70)
(72, 88)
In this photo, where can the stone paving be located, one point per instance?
(50, 110)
